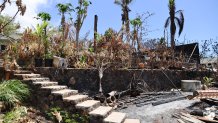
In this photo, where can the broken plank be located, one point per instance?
(210, 101)
(157, 93)
(189, 120)
(180, 121)
(168, 100)
(205, 119)
(192, 118)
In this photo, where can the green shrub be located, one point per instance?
(66, 116)
(13, 92)
(207, 81)
(14, 115)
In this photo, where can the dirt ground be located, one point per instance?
(158, 114)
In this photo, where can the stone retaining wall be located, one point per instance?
(87, 80)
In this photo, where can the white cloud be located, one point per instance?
(32, 9)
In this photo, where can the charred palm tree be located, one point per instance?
(136, 23)
(125, 15)
(173, 21)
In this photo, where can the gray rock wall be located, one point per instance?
(87, 80)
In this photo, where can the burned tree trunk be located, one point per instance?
(95, 30)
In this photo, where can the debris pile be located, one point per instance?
(205, 111)
(154, 98)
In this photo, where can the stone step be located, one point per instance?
(45, 83)
(132, 121)
(54, 87)
(22, 72)
(37, 79)
(100, 113)
(88, 105)
(22, 76)
(115, 117)
(75, 99)
(65, 92)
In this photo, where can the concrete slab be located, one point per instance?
(55, 87)
(76, 98)
(101, 111)
(88, 105)
(65, 92)
(37, 79)
(32, 75)
(132, 121)
(45, 83)
(115, 117)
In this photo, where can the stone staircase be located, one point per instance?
(96, 112)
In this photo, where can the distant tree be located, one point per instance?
(137, 23)
(140, 30)
(151, 43)
(172, 21)
(20, 8)
(10, 28)
(82, 10)
(63, 9)
(205, 48)
(125, 15)
(215, 48)
(44, 17)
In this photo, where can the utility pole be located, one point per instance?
(95, 30)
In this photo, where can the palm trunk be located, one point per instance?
(63, 26)
(173, 42)
(172, 29)
(77, 39)
(126, 15)
(173, 46)
(127, 23)
(78, 26)
(138, 42)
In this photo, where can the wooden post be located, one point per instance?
(95, 30)
(7, 75)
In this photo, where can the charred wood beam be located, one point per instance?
(168, 100)
(210, 101)
(157, 93)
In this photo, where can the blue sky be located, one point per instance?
(201, 16)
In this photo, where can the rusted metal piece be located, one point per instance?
(201, 94)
